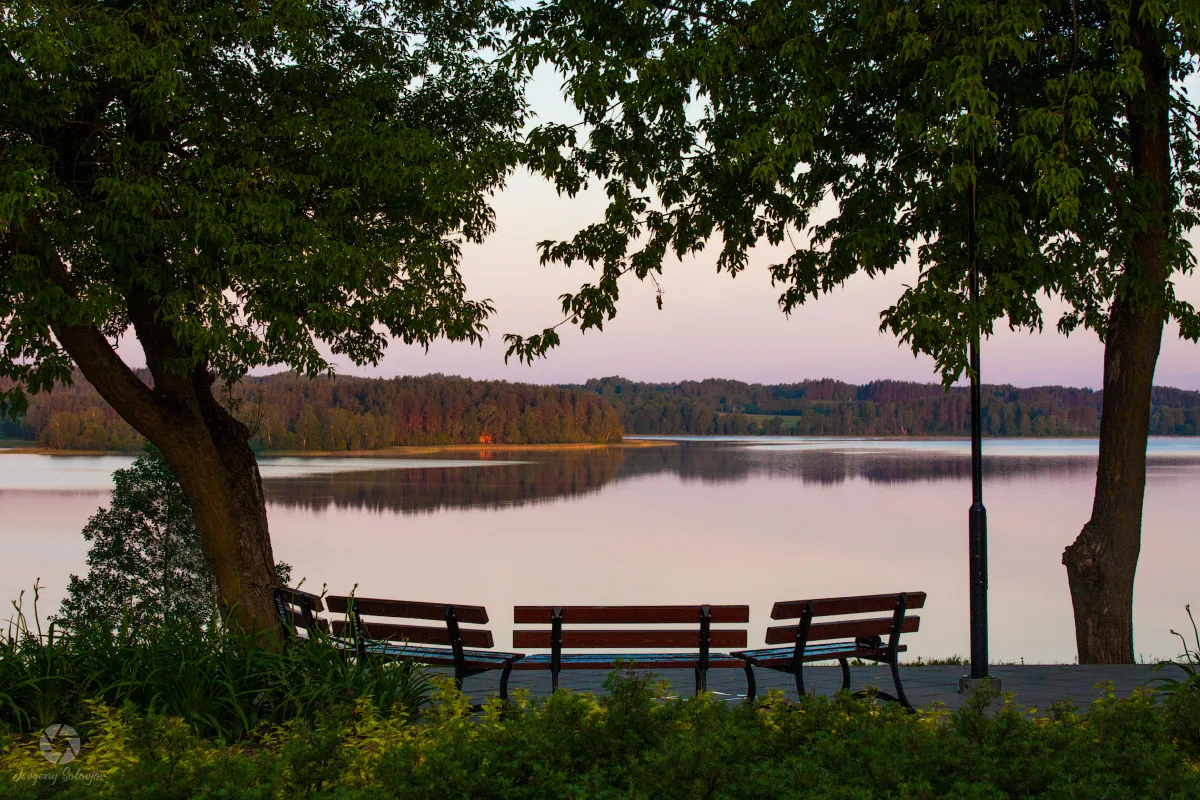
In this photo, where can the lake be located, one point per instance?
(697, 520)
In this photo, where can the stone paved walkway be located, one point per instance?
(1034, 686)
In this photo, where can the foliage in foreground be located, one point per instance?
(629, 745)
(217, 681)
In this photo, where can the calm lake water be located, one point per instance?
(701, 520)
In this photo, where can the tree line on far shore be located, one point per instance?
(290, 413)
(880, 408)
(287, 412)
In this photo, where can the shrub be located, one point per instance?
(630, 745)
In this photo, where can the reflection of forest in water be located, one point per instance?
(550, 475)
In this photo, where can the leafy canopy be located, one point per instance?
(852, 133)
(282, 180)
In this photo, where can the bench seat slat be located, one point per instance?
(842, 629)
(820, 652)
(391, 649)
(416, 634)
(625, 615)
(631, 638)
(644, 660)
(408, 609)
(440, 655)
(836, 606)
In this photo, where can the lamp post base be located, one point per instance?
(969, 685)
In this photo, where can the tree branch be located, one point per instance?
(105, 370)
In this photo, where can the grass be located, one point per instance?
(216, 681)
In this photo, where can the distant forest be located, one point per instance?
(882, 408)
(286, 412)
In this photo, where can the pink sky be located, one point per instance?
(712, 325)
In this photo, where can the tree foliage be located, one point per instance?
(274, 183)
(734, 124)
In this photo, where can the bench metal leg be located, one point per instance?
(504, 676)
(751, 684)
(701, 681)
(798, 671)
(845, 665)
(900, 696)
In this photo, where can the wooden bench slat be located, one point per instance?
(834, 606)
(783, 655)
(409, 609)
(842, 629)
(633, 638)
(417, 634)
(640, 660)
(625, 615)
(444, 656)
(296, 598)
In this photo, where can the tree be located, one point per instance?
(239, 185)
(145, 564)
(1063, 122)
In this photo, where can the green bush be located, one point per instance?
(630, 745)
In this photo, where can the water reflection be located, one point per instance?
(544, 476)
(415, 491)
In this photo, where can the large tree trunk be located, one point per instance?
(1102, 561)
(218, 472)
(205, 445)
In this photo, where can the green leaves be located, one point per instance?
(282, 181)
(735, 121)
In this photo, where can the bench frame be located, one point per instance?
(433, 650)
(700, 637)
(869, 647)
(292, 603)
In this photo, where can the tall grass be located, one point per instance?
(215, 679)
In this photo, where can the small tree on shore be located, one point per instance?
(146, 565)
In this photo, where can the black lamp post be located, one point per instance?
(978, 514)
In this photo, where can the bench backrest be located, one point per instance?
(702, 636)
(885, 631)
(358, 622)
(298, 612)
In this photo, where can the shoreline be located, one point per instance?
(398, 451)
(632, 441)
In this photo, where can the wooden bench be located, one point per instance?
(298, 612)
(698, 639)
(443, 645)
(856, 638)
